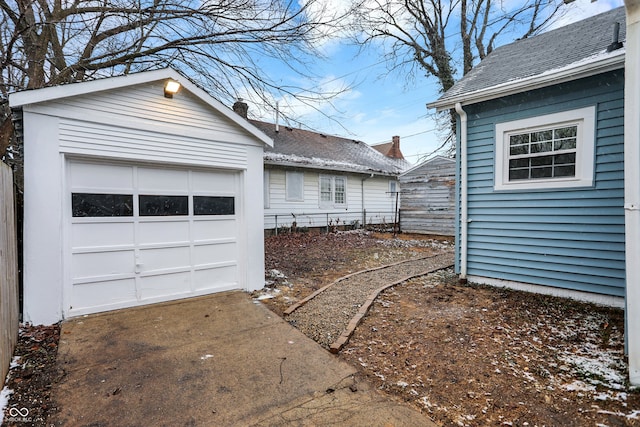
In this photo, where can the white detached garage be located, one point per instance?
(134, 197)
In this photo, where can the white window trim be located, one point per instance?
(332, 203)
(267, 188)
(291, 174)
(393, 188)
(584, 117)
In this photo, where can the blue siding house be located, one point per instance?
(540, 165)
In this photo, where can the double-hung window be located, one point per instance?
(333, 191)
(551, 151)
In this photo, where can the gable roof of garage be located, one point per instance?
(34, 96)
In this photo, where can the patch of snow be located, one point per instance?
(633, 415)
(326, 163)
(402, 384)
(14, 362)
(578, 385)
(4, 401)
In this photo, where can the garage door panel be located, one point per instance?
(213, 182)
(101, 177)
(178, 238)
(104, 293)
(92, 234)
(102, 263)
(165, 285)
(163, 180)
(214, 253)
(214, 229)
(158, 259)
(215, 278)
(163, 232)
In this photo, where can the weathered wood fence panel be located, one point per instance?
(9, 314)
(428, 198)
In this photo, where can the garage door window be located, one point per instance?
(101, 205)
(152, 205)
(213, 205)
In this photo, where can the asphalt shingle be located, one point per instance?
(533, 56)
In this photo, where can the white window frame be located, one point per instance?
(332, 203)
(294, 180)
(584, 118)
(393, 188)
(266, 182)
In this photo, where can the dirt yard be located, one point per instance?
(466, 355)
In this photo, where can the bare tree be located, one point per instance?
(221, 44)
(444, 38)
(49, 42)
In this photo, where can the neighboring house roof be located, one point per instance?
(568, 53)
(436, 159)
(390, 149)
(307, 149)
(19, 99)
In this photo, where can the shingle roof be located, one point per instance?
(553, 50)
(303, 148)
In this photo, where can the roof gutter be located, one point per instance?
(464, 219)
(613, 61)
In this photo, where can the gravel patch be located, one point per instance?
(325, 317)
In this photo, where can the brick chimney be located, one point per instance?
(395, 152)
(241, 108)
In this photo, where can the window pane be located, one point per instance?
(518, 174)
(542, 147)
(295, 186)
(213, 205)
(564, 158)
(163, 205)
(542, 161)
(565, 144)
(519, 149)
(545, 135)
(518, 163)
(519, 139)
(325, 189)
(101, 205)
(340, 191)
(568, 170)
(566, 132)
(541, 172)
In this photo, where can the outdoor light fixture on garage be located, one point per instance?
(171, 88)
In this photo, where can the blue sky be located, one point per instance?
(377, 107)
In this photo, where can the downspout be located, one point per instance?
(632, 188)
(364, 213)
(463, 191)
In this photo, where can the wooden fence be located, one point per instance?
(9, 315)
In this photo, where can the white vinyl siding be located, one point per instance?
(295, 186)
(312, 213)
(550, 151)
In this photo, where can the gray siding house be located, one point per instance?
(427, 203)
(540, 164)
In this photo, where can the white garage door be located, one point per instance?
(142, 234)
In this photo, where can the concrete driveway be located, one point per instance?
(220, 360)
